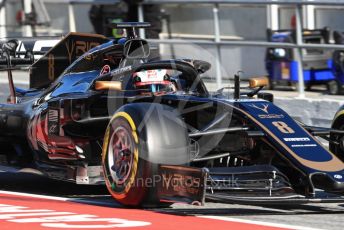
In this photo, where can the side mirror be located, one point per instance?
(108, 85)
(266, 96)
(136, 48)
(258, 82)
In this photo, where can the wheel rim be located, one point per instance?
(120, 155)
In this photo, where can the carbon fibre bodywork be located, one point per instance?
(247, 147)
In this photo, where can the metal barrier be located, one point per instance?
(71, 3)
(218, 43)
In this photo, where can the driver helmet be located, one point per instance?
(153, 81)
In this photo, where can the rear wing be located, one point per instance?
(47, 57)
(24, 51)
(58, 58)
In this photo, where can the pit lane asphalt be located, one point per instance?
(318, 216)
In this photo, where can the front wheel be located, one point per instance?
(121, 163)
(139, 138)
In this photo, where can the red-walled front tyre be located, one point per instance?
(124, 171)
(139, 138)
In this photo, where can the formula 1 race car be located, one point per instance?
(101, 111)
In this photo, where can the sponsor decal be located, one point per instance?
(305, 145)
(264, 108)
(90, 57)
(152, 75)
(40, 45)
(29, 211)
(121, 70)
(106, 69)
(53, 122)
(271, 116)
(78, 48)
(297, 139)
(56, 219)
(181, 183)
(337, 176)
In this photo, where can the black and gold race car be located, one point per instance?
(102, 111)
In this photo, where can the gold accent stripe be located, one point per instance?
(181, 168)
(332, 165)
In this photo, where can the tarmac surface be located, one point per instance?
(310, 216)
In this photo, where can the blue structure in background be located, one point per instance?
(318, 66)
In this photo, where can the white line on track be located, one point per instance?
(261, 223)
(223, 218)
(78, 200)
(36, 196)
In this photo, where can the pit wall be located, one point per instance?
(317, 112)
